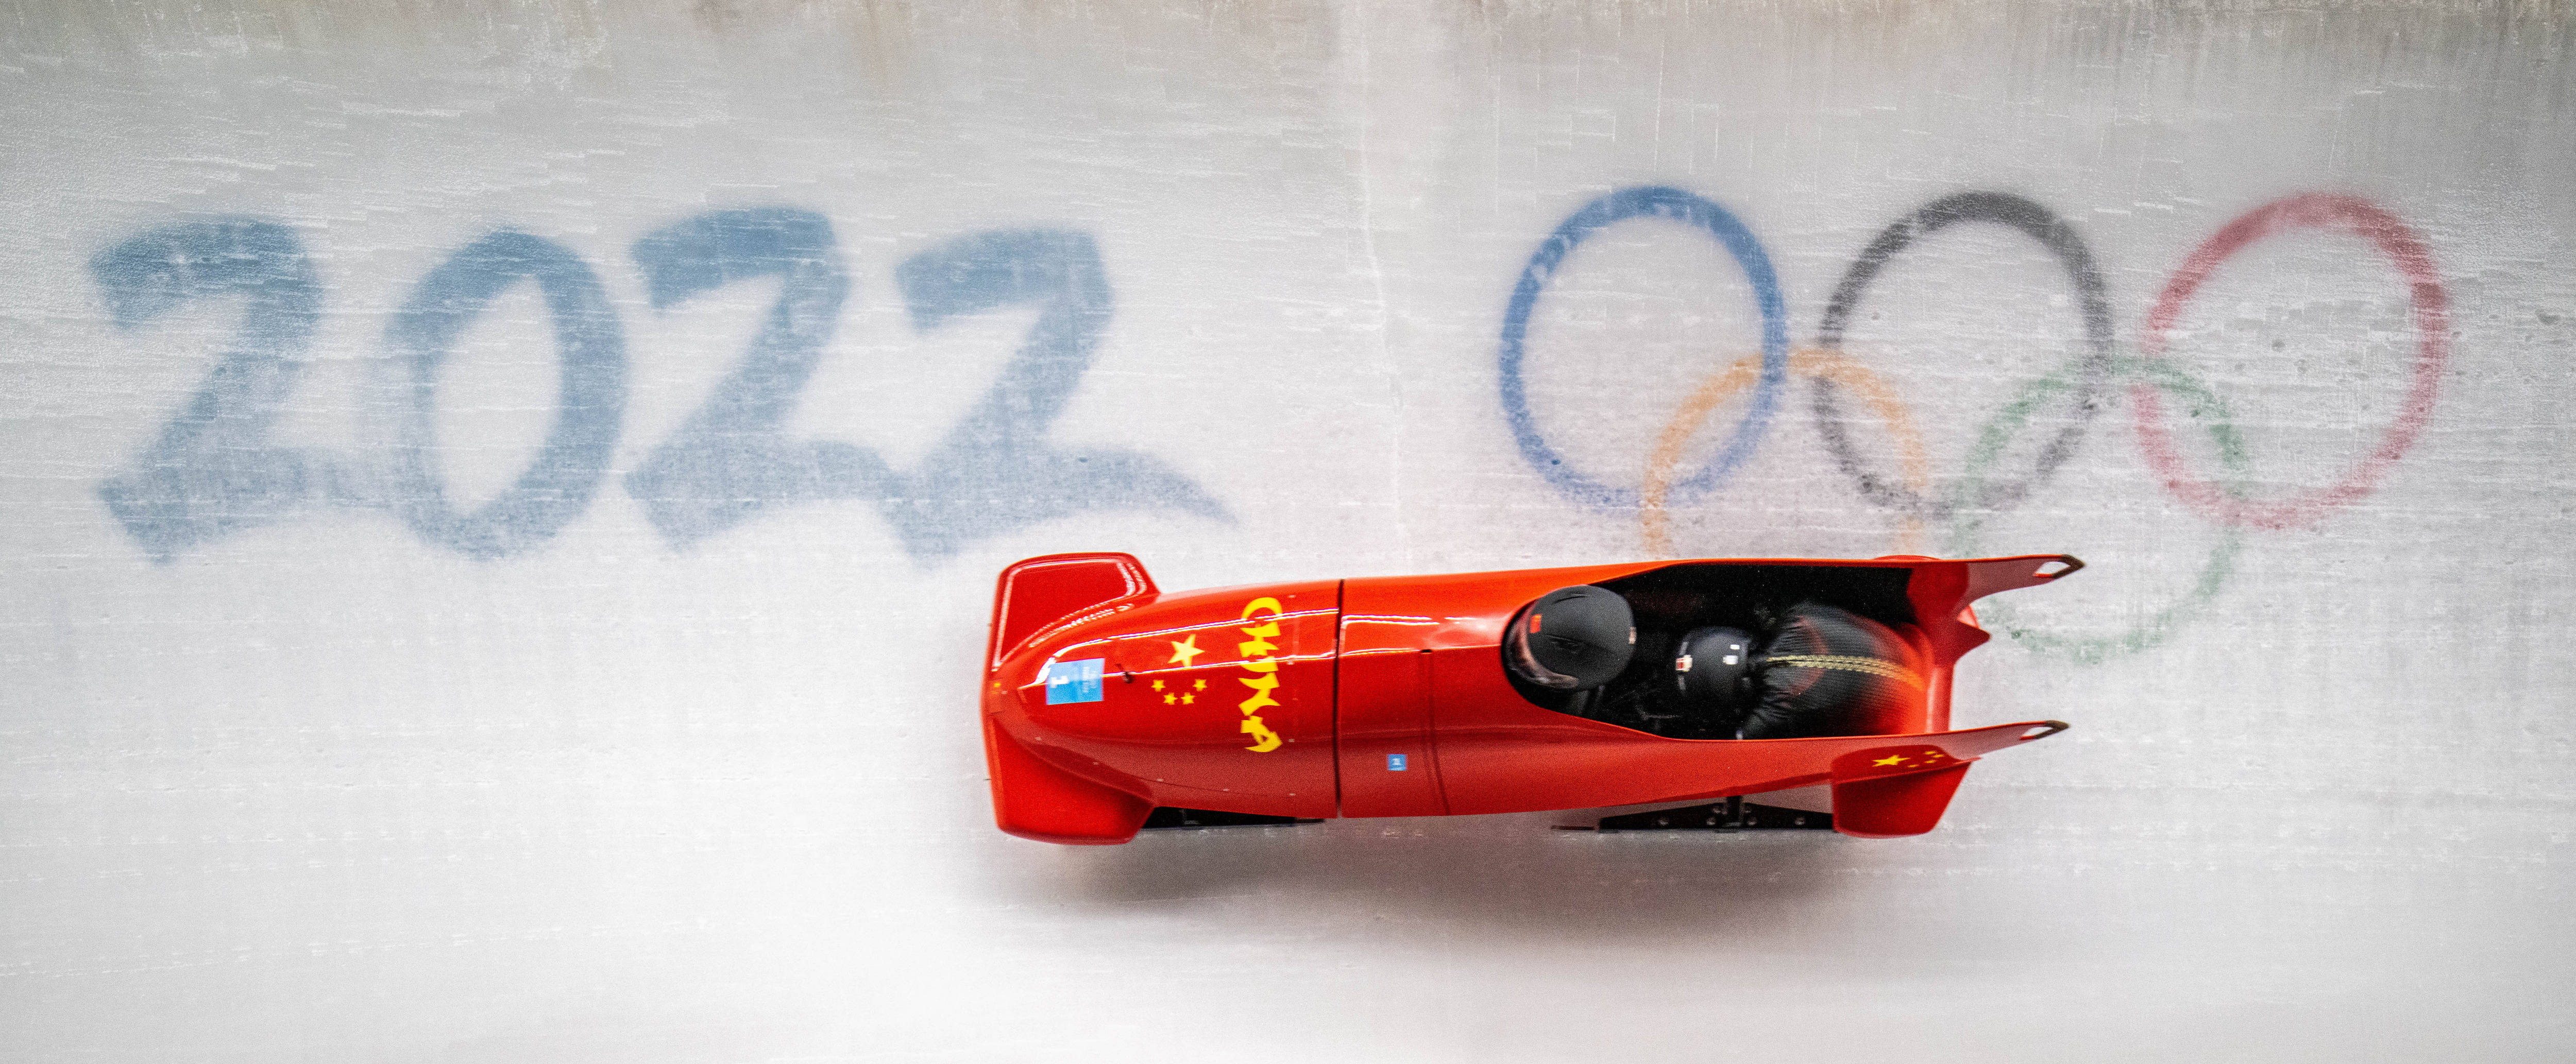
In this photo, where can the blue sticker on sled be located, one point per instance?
(1073, 681)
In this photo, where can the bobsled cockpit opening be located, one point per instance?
(1732, 651)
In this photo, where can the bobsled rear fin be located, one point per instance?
(1887, 807)
(1902, 786)
(1036, 800)
(1990, 575)
(1035, 593)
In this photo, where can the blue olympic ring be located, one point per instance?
(1619, 206)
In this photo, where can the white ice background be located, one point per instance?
(319, 785)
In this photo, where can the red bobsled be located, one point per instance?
(1108, 701)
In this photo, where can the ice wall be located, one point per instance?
(499, 503)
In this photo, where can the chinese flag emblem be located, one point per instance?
(1892, 760)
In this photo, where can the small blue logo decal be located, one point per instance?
(1395, 762)
(1073, 681)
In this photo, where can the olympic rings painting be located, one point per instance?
(2078, 390)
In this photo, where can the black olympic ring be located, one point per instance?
(2093, 371)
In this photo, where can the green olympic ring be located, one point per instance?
(2206, 407)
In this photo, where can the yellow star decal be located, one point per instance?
(1187, 699)
(1891, 759)
(1167, 699)
(1202, 686)
(1158, 685)
(1185, 649)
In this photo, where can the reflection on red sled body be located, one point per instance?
(1109, 703)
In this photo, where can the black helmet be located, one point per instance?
(1572, 639)
(1714, 672)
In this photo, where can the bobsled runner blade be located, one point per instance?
(1732, 815)
(1165, 818)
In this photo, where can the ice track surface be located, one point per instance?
(498, 507)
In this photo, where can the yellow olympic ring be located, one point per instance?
(1821, 363)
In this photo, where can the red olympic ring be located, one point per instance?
(2433, 349)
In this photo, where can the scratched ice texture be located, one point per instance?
(499, 500)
